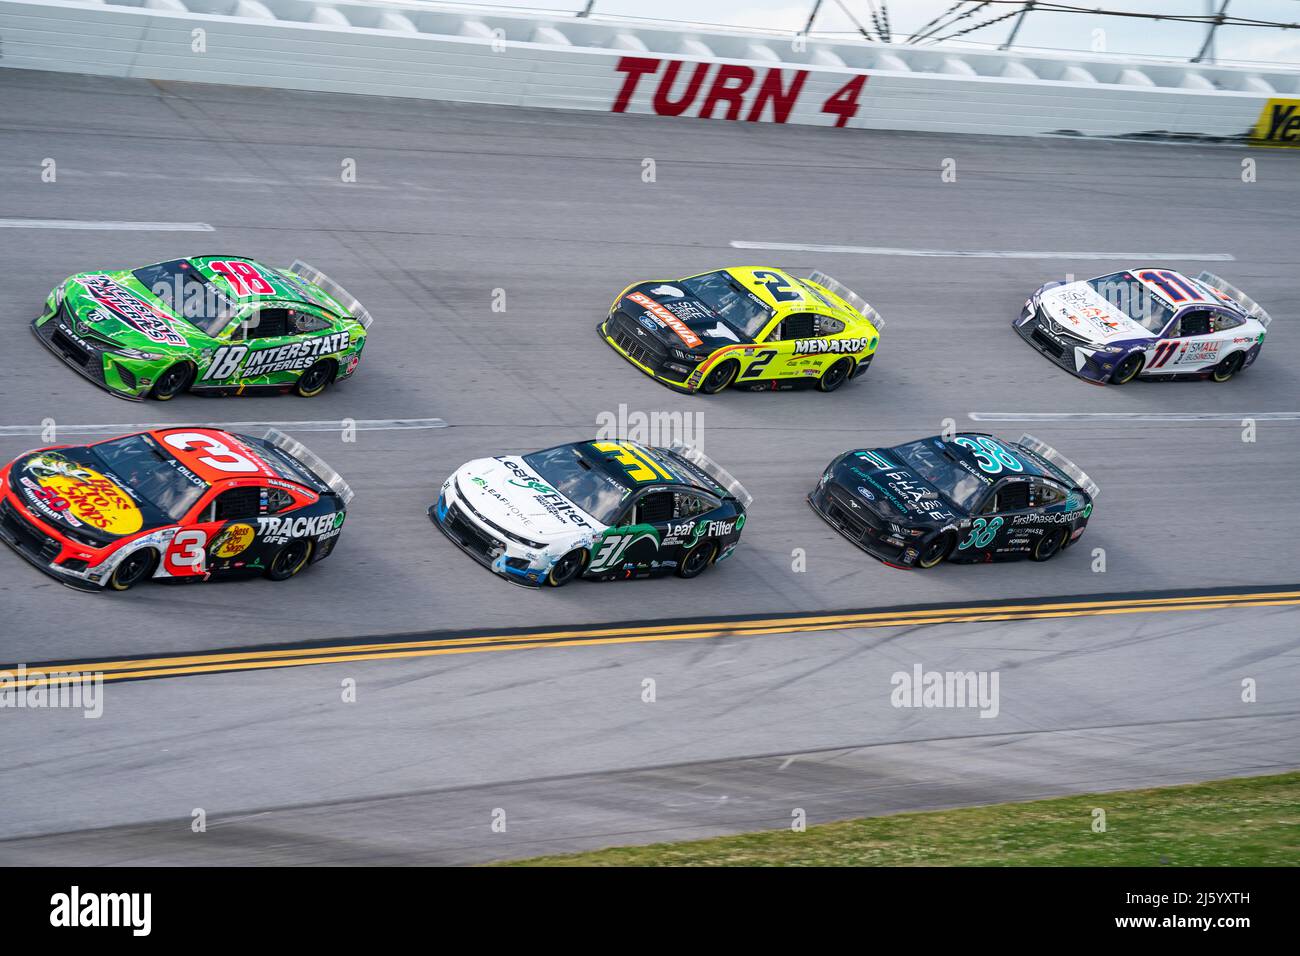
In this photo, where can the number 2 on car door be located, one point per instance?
(760, 363)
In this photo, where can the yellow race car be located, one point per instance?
(760, 329)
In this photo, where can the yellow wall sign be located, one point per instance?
(1279, 124)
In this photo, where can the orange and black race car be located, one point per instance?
(187, 502)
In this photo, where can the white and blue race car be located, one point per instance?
(1152, 323)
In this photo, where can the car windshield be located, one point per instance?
(184, 290)
(721, 293)
(930, 462)
(1126, 292)
(152, 474)
(582, 482)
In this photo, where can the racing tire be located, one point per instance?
(1229, 367)
(290, 559)
(836, 375)
(1050, 544)
(134, 568)
(722, 376)
(1128, 369)
(313, 381)
(695, 561)
(935, 552)
(172, 382)
(567, 568)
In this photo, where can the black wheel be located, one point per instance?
(1229, 367)
(836, 375)
(722, 376)
(567, 568)
(1050, 543)
(172, 382)
(1127, 370)
(289, 560)
(134, 568)
(694, 561)
(935, 551)
(313, 381)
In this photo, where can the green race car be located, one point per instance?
(218, 325)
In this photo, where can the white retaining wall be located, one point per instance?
(471, 55)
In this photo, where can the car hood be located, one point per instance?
(1082, 312)
(511, 495)
(115, 307)
(69, 489)
(678, 319)
(895, 492)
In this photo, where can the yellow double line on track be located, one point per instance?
(397, 648)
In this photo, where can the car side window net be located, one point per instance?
(237, 503)
(799, 326)
(1013, 497)
(655, 507)
(1194, 323)
(269, 324)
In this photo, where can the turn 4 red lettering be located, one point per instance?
(725, 91)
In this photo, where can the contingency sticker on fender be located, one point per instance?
(667, 318)
(1279, 124)
(232, 540)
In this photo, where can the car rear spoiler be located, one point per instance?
(1046, 451)
(715, 471)
(333, 290)
(311, 461)
(849, 296)
(1236, 295)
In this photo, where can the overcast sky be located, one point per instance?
(1063, 31)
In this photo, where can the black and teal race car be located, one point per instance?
(969, 498)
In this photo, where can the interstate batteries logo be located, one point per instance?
(230, 360)
(134, 312)
(1279, 124)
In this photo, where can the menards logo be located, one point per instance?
(1279, 124)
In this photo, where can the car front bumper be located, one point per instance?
(508, 559)
(40, 549)
(91, 363)
(647, 360)
(1085, 362)
(867, 532)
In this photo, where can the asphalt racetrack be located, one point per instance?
(455, 202)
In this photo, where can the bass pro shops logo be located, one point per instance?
(1279, 124)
